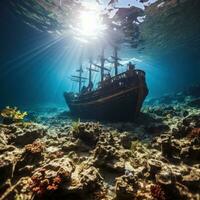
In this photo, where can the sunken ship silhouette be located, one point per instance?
(117, 98)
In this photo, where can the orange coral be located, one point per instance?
(56, 154)
(40, 185)
(35, 147)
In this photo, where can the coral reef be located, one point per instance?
(126, 187)
(154, 158)
(51, 177)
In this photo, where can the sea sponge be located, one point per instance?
(12, 115)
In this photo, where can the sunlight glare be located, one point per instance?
(90, 23)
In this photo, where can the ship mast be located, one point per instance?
(80, 70)
(80, 79)
(116, 60)
(115, 57)
(101, 66)
(91, 70)
(102, 60)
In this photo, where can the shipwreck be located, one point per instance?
(116, 98)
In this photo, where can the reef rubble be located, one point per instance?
(155, 158)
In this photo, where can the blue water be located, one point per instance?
(35, 66)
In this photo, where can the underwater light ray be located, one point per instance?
(61, 72)
(72, 52)
(22, 56)
(31, 56)
(45, 56)
(44, 80)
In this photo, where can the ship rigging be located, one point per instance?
(117, 98)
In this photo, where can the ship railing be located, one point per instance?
(138, 72)
(118, 79)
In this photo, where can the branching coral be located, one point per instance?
(12, 115)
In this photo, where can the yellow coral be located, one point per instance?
(75, 126)
(13, 114)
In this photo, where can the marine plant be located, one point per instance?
(75, 126)
(12, 115)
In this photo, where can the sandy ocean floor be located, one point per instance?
(52, 156)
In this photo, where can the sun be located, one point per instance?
(89, 24)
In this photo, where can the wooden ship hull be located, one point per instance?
(118, 99)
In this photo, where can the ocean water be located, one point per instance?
(49, 154)
(35, 67)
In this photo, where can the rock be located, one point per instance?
(109, 151)
(30, 157)
(6, 169)
(69, 146)
(190, 153)
(191, 120)
(85, 179)
(3, 138)
(166, 145)
(185, 113)
(154, 166)
(6, 148)
(67, 163)
(167, 181)
(126, 140)
(164, 177)
(71, 182)
(194, 103)
(51, 177)
(192, 181)
(77, 145)
(157, 128)
(126, 187)
(26, 134)
(88, 133)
